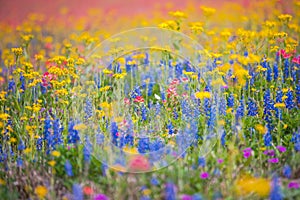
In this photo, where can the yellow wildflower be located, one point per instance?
(41, 191)
(279, 105)
(202, 95)
(80, 127)
(52, 163)
(251, 185)
(260, 128)
(2, 182)
(17, 51)
(207, 11)
(178, 14)
(55, 153)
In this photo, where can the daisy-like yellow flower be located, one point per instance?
(52, 163)
(260, 128)
(178, 14)
(279, 105)
(251, 185)
(202, 95)
(17, 51)
(41, 191)
(55, 153)
(207, 11)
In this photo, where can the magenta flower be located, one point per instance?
(281, 148)
(220, 161)
(101, 197)
(204, 175)
(186, 197)
(294, 184)
(247, 152)
(269, 152)
(273, 160)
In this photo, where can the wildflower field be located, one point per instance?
(194, 101)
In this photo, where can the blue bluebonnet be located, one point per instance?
(268, 72)
(43, 89)
(21, 145)
(47, 133)
(201, 162)
(197, 196)
(150, 88)
(163, 95)
(275, 71)
(19, 162)
(175, 114)
(296, 140)
(88, 109)
(11, 85)
(222, 106)
(114, 133)
(178, 70)
(289, 101)
(170, 128)
(287, 171)
(154, 181)
(143, 145)
(170, 191)
(230, 101)
(77, 192)
(252, 108)
(144, 112)
(212, 117)
(73, 135)
(39, 144)
(68, 168)
(241, 109)
(157, 108)
(56, 138)
(87, 149)
(268, 138)
(278, 111)
(22, 80)
(276, 192)
(286, 70)
(297, 91)
(223, 138)
(100, 138)
(268, 107)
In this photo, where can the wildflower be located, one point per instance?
(170, 191)
(68, 168)
(73, 136)
(248, 185)
(268, 138)
(139, 99)
(281, 148)
(154, 181)
(2, 182)
(55, 153)
(178, 14)
(252, 108)
(101, 197)
(88, 190)
(273, 160)
(207, 12)
(294, 185)
(276, 193)
(201, 162)
(269, 152)
(230, 101)
(139, 163)
(143, 145)
(202, 95)
(247, 152)
(77, 192)
(289, 101)
(204, 175)
(41, 191)
(52, 163)
(287, 171)
(17, 51)
(285, 18)
(87, 149)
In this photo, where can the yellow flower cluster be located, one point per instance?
(202, 95)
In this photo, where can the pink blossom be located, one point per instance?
(204, 175)
(273, 160)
